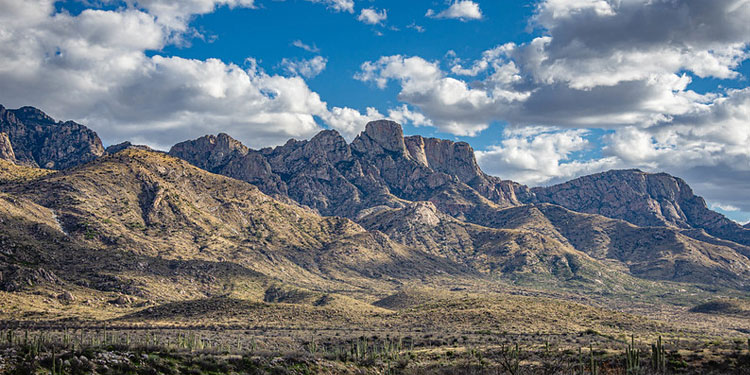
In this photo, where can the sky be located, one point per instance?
(544, 91)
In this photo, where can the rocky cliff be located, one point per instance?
(6, 148)
(379, 168)
(38, 140)
(644, 199)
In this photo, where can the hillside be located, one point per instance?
(644, 199)
(153, 205)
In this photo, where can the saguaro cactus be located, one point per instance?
(658, 357)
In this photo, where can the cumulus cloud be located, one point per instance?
(371, 16)
(405, 115)
(415, 27)
(541, 155)
(93, 67)
(724, 207)
(350, 122)
(306, 68)
(463, 10)
(600, 63)
(451, 104)
(337, 5)
(175, 14)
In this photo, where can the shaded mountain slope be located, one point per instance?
(6, 149)
(548, 242)
(40, 141)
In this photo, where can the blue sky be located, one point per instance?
(544, 90)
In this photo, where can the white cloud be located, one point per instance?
(453, 105)
(175, 14)
(305, 68)
(349, 121)
(93, 68)
(600, 64)
(709, 148)
(337, 5)
(309, 48)
(404, 115)
(371, 16)
(598, 42)
(724, 207)
(540, 156)
(463, 10)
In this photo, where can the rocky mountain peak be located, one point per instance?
(226, 143)
(39, 141)
(6, 149)
(455, 158)
(225, 155)
(33, 114)
(381, 135)
(644, 199)
(331, 144)
(210, 151)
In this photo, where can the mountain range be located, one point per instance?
(329, 222)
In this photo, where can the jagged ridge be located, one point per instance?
(38, 140)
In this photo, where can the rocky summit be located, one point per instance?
(38, 140)
(644, 199)
(379, 168)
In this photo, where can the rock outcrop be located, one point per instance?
(39, 141)
(6, 149)
(125, 146)
(225, 155)
(643, 199)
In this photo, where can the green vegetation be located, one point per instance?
(107, 351)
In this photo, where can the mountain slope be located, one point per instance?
(380, 167)
(644, 199)
(655, 253)
(40, 141)
(153, 205)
